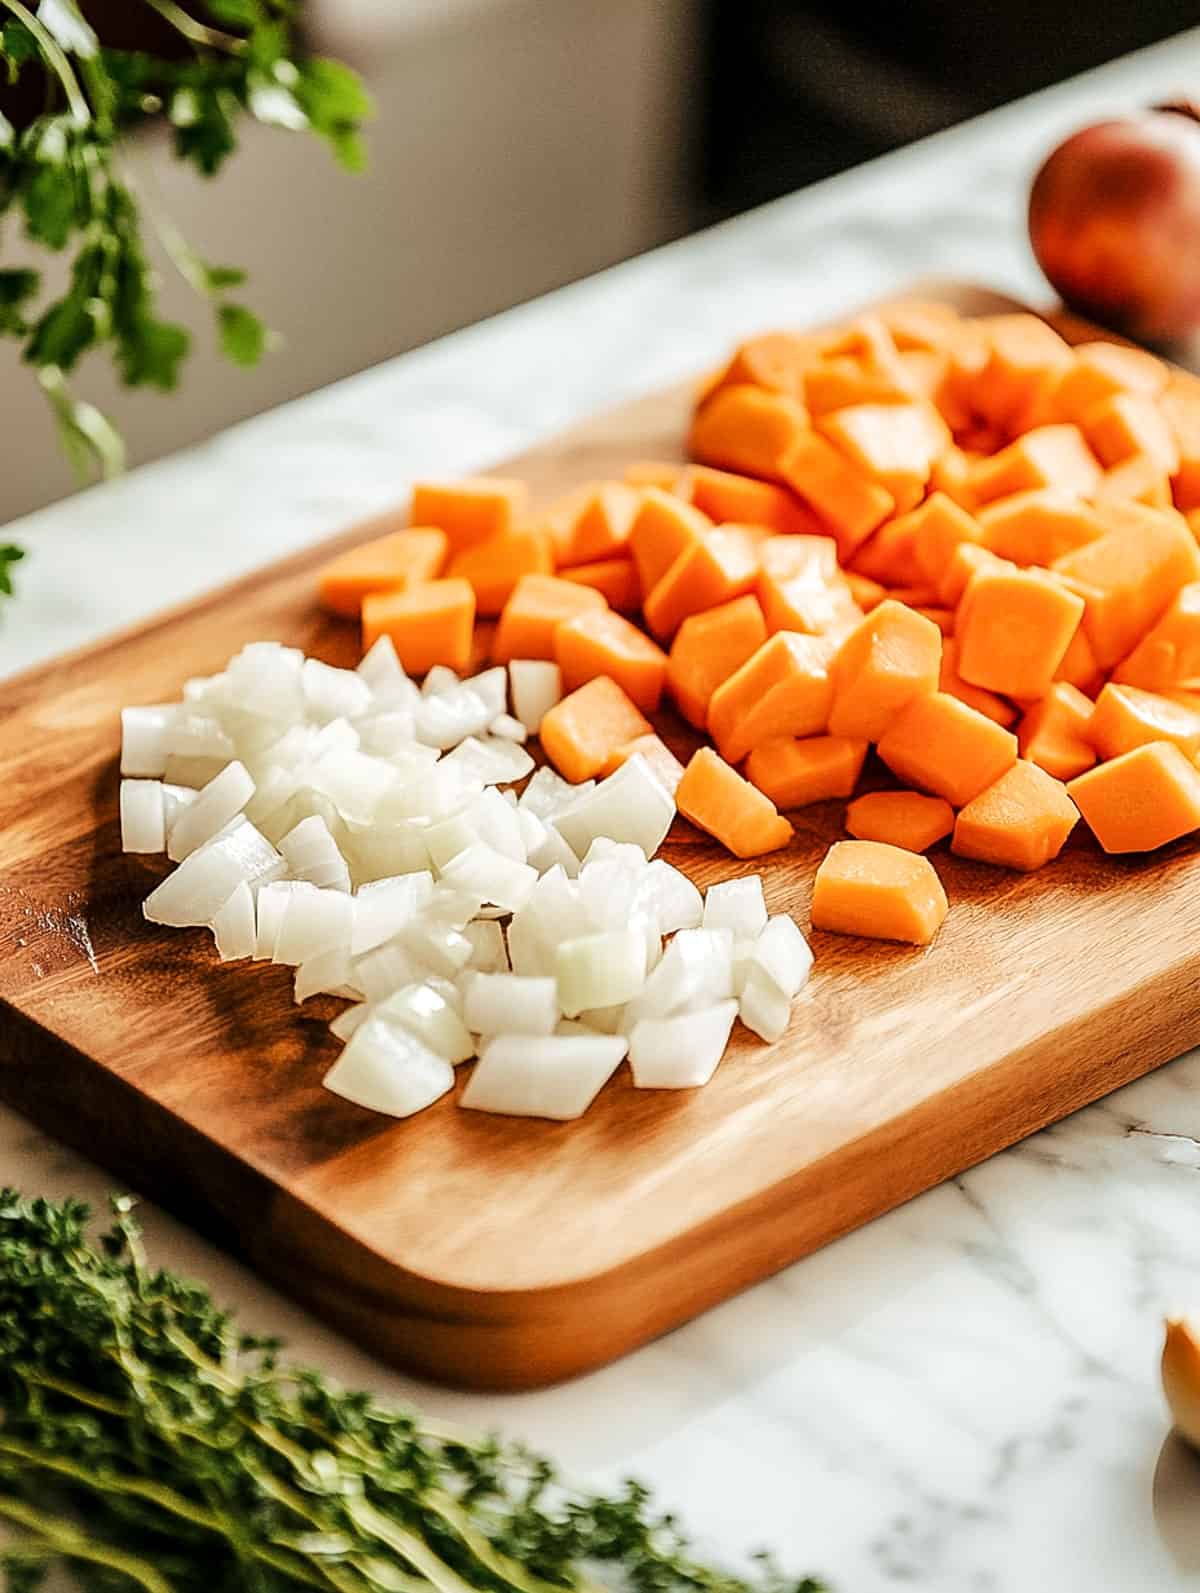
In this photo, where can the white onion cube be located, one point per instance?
(488, 953)
(630, 805)
(536, 687)
(314, 921)
(381, 667)
(500, 1003)
(671, 897)
(234, 926)
(737, 905)
(383, 908)
(221, 800)
(144, 746)
(603, 970)
(548, 793)
(783, 955)
(763, 1007)
(389, 1070)
(554, 1076)
(493, 876)
(425, 1013)
(696, 971)
(680, 1053)
(195, 892)
(143, 817)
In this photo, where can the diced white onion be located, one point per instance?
(488, 953)
(783, 955)
(381, 667)
(680, 1053)
(492, 686)
(491, 759)
(601, 970)
(496, 878)
(269, 907)
(175, 798)
(204, 882)
(326, 973)
(736, 905)
(450, 716)
(143, 821)
(331, 693)
(387, 1069)
(385, 969)
(500, 1003)
(497, 823)
(191, 772)
(344, 1025)
(314, 921)
(383, 907)
(429, 1016)
(233, 926)
(506, 728)
(536, 687)
(629, 805)
(548, 793)
(144, 746)
(198, 736)
(219, 801)
(554, 1076)
(312, 854)
(671, 897)
(696, 971)
(763, 1007)
(440, 678)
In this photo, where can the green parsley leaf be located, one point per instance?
(220, 277)
(243, 335)
(206, 138)
(9, 555)
(336, 103)
(52, 203)
(70, 325)
(17, 287)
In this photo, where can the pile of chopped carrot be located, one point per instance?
(963, 543)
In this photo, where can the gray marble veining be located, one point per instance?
(961, 1398)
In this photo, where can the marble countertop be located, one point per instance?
(963, 1396)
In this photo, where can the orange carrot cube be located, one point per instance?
(470, 510)
(728, 498)
(900, 818)
(784, 689)
(1126, 424)
(707, 649)
(1021, 822)
(747, 429)
(615, 579)
(896, 444)
(721, 566)
(977, 697)
(494, 567)
(1038, 527)
(892, 656)
(538, 606)
(1141, 800)
(795, 772)
(1053, 733)
(582, 731)
(849, 502)
(1126, 717)
(600, 642)
(940, 745)
(1168, 655)
(663, 528)
(431, 623)
(1049, 456)
(884, 892)
(601, 528)
(717, 800)
(1013, 629)
(384, 564)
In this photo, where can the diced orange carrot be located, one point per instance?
(1049, 456)
(887, 557)
(470, 510)
(1126, 717)
(1128, 577)
(722, 565)
(850, 503)
(430, 623)
(615, 579)
(1098, 371)
(1052, 733)
(1138, 479)
(925, 370)
(663, 764)
(1039, 526)
(795, 772)
(662, 529)
(1141, 800)
(1025, 362)
(800, 587)
(984, 702)
(892, 656)
(943, 618)
(558, 518)
(967, 560)
(668, 475)
(603, 643)
(384, 564)
(707, 649)
(1181, 405)
(940, 745)
(868, 594)
(744, 500)
(538, 606)
(582, 731)
(494, 567)
(1079, 667)
(881, 891)
(837, 382)
(1013, 629)
(1021, 822)
(900, 818)
(773, 360)
(914, 596)
(1130, 423)
(1168, 655)
(747, 429)
(939, 525)
(895, 444)
(951, 474)
(716, 799)
(866, 338)
(602, 526)
(920, 324)
(968, 352)
(783, 689)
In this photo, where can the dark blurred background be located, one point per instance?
(521, 144)
(795, 92)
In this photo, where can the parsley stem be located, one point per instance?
(57, 58)
(196, 32)
(66, 1541)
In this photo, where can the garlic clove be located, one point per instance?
(1181, 1376)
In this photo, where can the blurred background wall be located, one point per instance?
(523, 143)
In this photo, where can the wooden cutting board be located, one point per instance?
(507, 1253)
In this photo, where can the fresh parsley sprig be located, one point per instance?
(63, 182)
(147, 1443)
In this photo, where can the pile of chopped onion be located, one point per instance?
(367, 832)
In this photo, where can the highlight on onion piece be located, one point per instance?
(398, 849)
(1114, 220)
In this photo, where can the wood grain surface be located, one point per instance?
(499, 1252)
